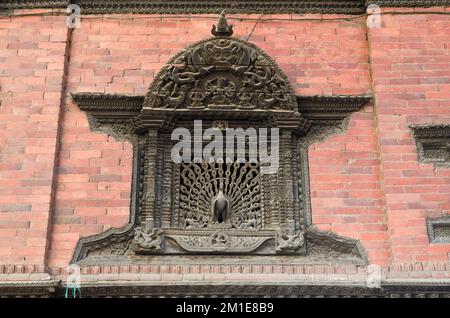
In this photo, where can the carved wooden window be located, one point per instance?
(229, 208)
(439, 229)
(433, 144)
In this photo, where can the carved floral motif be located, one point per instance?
(220, 241)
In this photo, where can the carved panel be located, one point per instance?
(220, 241)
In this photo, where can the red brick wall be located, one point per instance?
(31, 76)
(346, 190)
(366, 183)
(410, 59)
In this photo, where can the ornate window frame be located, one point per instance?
(181, 91)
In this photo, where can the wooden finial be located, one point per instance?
(223, 28)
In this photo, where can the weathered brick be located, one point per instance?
(15, 208)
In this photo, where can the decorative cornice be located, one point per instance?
(230, 6)
(272, 290)
(431, 131)
(210, 6)
(336, 243)
(311, 107)
(31, 4)
(134, 289)
(34, 289)
(409, 3)
(330, 107)
(231, 290)
(189, 6)
(94, 102)
(414, 272)
(289, 280)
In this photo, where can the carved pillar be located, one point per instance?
(273, 212)
(265, 201)
(150, 165)
(166, 191)
(298, 188)
(286, 185)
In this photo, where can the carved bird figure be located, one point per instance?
(221, 206)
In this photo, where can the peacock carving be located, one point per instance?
(221, 206)
(224, 195)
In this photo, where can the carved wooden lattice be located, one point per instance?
(200, 183)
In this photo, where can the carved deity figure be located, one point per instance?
(251, 222)
(148, 237)
(290, 240)
(219, 241)
(192, 221)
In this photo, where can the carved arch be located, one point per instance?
(218, 78)
(221, 72)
